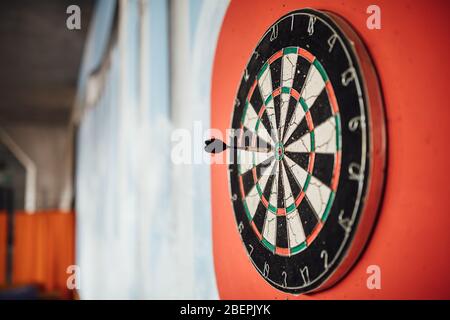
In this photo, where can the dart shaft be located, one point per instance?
(216, 146)
(254, 149)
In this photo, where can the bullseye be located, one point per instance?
(279, 151)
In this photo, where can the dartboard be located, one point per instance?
(306, 169)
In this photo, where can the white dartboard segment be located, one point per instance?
(289, 65)
(295, 229)
(299, 173)
(295, 120)
(288, 196)
(314, 85)
(250, 121)
(325, 136)
(318, 195)
(301, 145)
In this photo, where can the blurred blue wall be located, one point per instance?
(143, 222)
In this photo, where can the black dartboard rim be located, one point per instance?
(282, 268)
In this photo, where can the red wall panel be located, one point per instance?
(411, 240)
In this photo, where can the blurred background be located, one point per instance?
(86, 176)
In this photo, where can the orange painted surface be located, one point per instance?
(411, 239)
(44, 248)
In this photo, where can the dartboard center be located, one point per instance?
(279, 151)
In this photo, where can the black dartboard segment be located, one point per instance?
(297, 205)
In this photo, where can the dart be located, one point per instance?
(214, 145)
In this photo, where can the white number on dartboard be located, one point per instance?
(240, 227)
(274, 33)
(355, 123)
(284, 275)
(246, 75)
(354, 172)
(305, 275)
(312, 21)
(251, 250)
(345, 223)
(266, 270)
(331, 41)
(347, 76)
(324, 256)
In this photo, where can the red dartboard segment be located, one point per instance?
(261, 112)
(295, 94)
(255, 229)
(276, 92)
(306, 54)
(309, 121)
(311, 164)
(282, 251)
(314, 234)
(331, 96)
(277, 55)
(337, 168)
(252, 89)
(299, 199)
